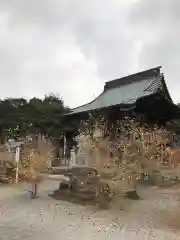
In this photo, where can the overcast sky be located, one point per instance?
(72, 47)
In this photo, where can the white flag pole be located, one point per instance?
(17, 158)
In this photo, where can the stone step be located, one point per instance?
(84, 196)
(87, 190)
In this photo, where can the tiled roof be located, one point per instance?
(125, 90)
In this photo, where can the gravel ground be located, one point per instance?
(45, 218)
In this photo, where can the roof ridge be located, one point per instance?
(136, 77)
(156, 83)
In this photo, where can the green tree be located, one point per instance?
(19, 117)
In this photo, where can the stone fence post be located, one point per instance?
(72, 157)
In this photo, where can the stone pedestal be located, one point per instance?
(72, 158)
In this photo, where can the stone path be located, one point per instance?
(45, 218)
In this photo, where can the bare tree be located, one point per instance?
(36, 158)
(125, 151)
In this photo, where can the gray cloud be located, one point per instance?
(72, 47)
(63, 46)
(102, 34)
(157, 25)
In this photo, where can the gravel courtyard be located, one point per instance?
(45, 218)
